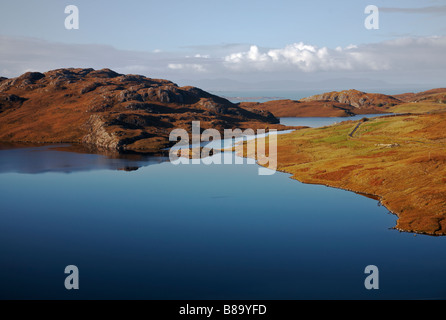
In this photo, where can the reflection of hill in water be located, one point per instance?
(31, 159)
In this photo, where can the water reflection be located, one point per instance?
(28, 158)
(316, 122)
(31, 159)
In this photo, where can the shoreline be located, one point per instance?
(404, 177)
(376, 197)
(340, 175)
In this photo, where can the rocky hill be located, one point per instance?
(105, 109)
(358, 99)
(293, 108)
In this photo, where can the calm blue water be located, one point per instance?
(316, 122)
(197, 232)
(263, 96)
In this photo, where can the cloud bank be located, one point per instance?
(302, 57)
(437, 10)
(396, 55)
(399, 58)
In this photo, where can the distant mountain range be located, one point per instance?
(223, 84)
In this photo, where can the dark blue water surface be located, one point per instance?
(197, 232)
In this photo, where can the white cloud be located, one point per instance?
(204, 56)
(397, 54)
(187, 66)
(302, 57)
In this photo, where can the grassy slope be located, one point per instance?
(401, 159)
(418, 107)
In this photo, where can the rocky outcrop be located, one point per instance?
(97, 134)
(109, 110)
(8, 101)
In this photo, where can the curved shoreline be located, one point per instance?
(380, 199)
(386, 161)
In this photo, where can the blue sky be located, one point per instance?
(173, 25)
(196, 39)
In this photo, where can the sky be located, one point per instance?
(232, 43)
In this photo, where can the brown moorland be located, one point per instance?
(401, 160)
(421, 96)
(418, 107)
(427, 101)
(294, 108)
(108, 110)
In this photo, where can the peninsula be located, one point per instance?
(398, 160)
